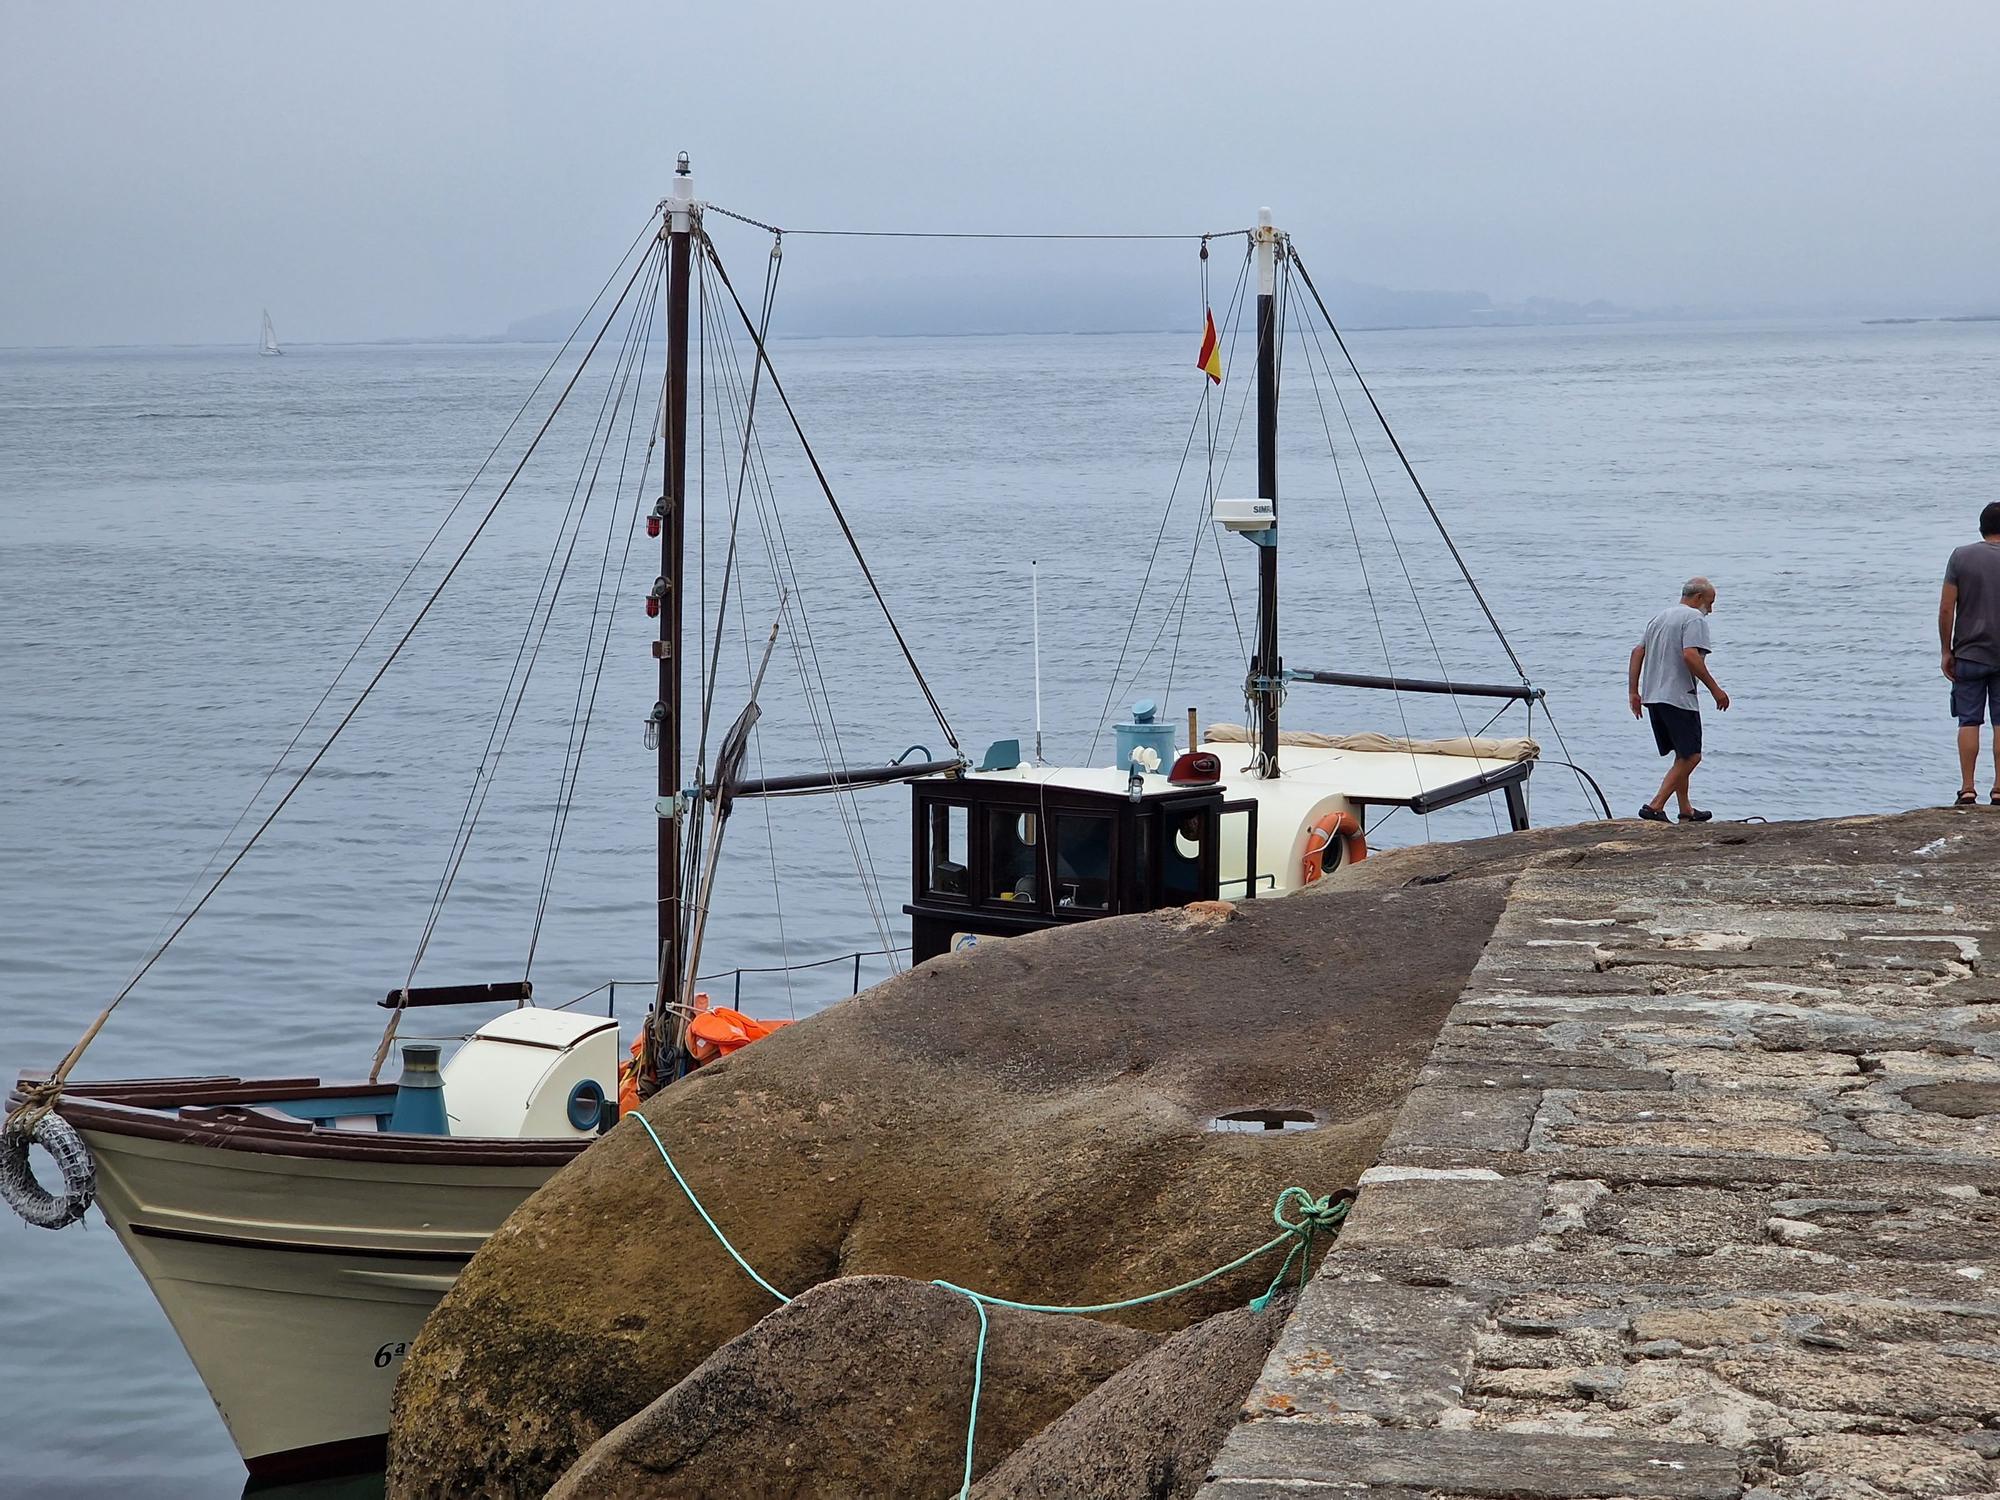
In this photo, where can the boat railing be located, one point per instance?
(1246, 885)
(734, 978)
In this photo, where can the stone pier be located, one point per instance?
(1698, 1196)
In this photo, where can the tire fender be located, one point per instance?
(23, 1190)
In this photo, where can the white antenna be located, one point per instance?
(1035, 588)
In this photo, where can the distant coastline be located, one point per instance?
(1962, 318)
(528, 332)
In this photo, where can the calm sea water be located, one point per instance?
(191, 542)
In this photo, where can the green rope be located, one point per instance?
(1315, 1216)
(721, 1238)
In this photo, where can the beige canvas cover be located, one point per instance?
(1467, 745)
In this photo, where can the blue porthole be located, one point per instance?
(586, 1105)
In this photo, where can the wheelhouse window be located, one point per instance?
(946, 858)
(1184, 855)
(1083, 862)
(1013, 855)
(1236, 853)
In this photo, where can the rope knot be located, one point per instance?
(1316, 1216)
(38, 1101)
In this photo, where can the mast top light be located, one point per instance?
(680, 198)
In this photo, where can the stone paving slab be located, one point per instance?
(1487, 1463)
(1698, 1195)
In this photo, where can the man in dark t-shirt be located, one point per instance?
(1969, 632)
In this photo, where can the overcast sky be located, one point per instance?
(413, 168)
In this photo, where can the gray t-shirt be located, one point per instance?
(1663, 674)
(1975, 568)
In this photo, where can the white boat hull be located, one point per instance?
(297, 1283)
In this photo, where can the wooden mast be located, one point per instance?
(1266, 668)
(681, 214)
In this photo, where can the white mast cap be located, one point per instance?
(680, 196)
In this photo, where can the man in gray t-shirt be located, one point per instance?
(1969, 633)
(1669, 660)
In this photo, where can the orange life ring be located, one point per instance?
(1341, 826)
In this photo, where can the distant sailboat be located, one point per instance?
(270, 339)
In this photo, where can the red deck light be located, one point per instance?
(1195, 768)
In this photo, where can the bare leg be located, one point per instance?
(1996, 760)
(1686, 768)
(1659, 802)
(1968, 755)
(1675, 784)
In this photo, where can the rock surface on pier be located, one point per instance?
(1149, 1431)
(1697, 1196)
(862, 1386)
(1030, 1119)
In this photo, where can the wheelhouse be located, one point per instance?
(999, 854)
(1012, 848)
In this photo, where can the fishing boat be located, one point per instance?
(297, 1231)
(267, 340)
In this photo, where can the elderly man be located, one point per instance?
(1969, 631)
(1669, 660)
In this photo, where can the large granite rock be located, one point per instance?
(859, 1388)
(1030, 1118)
(1149, 1431)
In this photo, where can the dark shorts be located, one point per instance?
(1677, 731)
(1975, 693)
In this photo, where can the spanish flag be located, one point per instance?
(1210, 358)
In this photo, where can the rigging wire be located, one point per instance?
(583, 712)
(1186, 592)
(1203, 526)
(1211, 480)
(826, 488)
(42, 1096)
(1159, 634)
(1361, 563)
(1409, 469)
(1396, 546)
(526, 656)
(958, 234)
(748, 427)
(771, 271)
(1424, 495)
(1209, 493)
(1139, 599)
(1242, 406)
(694, 830)
(402, 583)
(1395, 543)
(396, 1014)
(826, 730)
(1230, 321)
